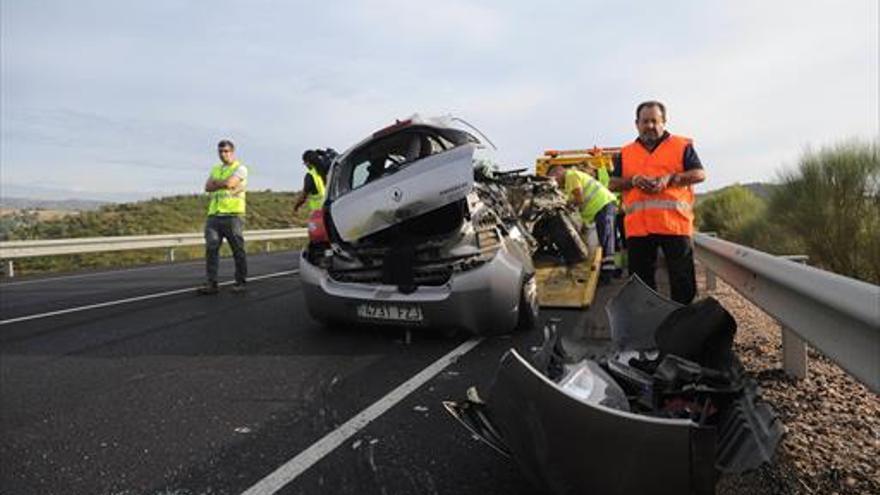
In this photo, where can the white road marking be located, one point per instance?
(134, 299)
(97, 274)
(113, 272)
(290, 470)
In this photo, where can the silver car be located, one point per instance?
(407, 236)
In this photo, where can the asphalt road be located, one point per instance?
(186, 394)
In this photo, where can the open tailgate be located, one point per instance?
(417, 188)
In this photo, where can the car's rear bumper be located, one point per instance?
(483, 300)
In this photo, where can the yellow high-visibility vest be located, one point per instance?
(595, 195)
(605, 179)
(316, 201)
(226, 201)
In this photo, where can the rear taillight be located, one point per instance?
(317, 229)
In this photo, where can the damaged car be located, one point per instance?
(417, 231)
(664, 407)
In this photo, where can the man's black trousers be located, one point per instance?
(679, 253)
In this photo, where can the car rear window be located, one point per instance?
(389, 154)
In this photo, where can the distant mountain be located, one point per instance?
(51, 204)
(762, 190)
(38, 192)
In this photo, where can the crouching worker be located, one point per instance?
(226, 185)
(317, 165)
(596, 204)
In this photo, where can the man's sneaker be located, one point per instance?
(209, 289)
(239, 287)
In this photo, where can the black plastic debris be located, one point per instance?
(701, 332)
(635, 313)
(666, 408)
(558, 238)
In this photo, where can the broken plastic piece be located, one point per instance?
(635, 313)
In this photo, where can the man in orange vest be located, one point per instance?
(655, 173)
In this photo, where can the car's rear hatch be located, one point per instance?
(415, 189)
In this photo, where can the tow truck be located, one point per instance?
(573, 285)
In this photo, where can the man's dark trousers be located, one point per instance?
(229, 227)
(605, 232)
(679, 253)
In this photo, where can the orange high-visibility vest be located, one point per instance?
(668, 212)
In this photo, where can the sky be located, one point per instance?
(126, 100)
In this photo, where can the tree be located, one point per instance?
(830, 202)
(730, 212)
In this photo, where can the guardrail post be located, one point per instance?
(794, 348)
(10, 268)
(268, 246)
(711, 280)
(794, 354)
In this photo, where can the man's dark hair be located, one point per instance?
(554, 168)
(225, 143)
(648, 104)
(310, 157)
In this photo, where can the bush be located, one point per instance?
(830, 204)
(730, 213)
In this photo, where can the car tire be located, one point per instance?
(528, 305)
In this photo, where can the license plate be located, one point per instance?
(390, 312)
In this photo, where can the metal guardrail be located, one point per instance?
(837, 315)
(10, 250)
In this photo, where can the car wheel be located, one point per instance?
(528, 305)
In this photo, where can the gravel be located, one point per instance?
(832, 443)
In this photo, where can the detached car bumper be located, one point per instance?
(482, 301)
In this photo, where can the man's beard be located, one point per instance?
(650, 140)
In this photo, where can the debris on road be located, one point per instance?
(668, 401)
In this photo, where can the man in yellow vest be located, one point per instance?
(596, 204)
(656, 173)
(313, 182)
(227, 187)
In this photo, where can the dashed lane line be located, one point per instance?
(290, 470)
(145, 297)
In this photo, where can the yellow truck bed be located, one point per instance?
(569, 286)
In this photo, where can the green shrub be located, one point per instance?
(730, 213)
(830, 204)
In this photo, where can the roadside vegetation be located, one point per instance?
(827, 207)
(169, 215)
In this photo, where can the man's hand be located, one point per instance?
(652, 185)
(577, 198)
(643, 183)
(212, 185)
(299, 202)
(661, 183)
